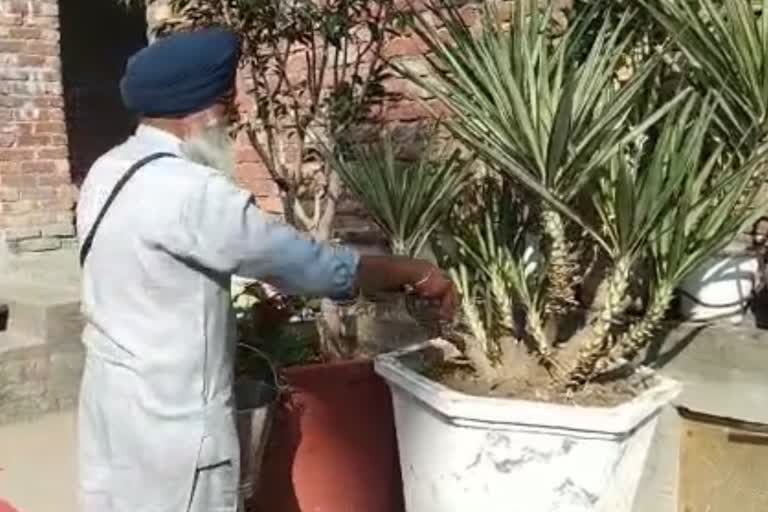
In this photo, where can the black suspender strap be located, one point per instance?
(86, 247)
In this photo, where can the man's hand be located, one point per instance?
(397, 273)
(438, 287)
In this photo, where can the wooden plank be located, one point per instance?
(723, 465)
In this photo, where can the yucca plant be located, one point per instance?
(559, 127)
(726, 46)
(529, 108)
(712, 203)
(408, 198)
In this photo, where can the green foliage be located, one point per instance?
(409, 199)
(528, 108)
(570, 122)
(726, 45)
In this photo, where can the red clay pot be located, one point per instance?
(332, 447)
(6, 507)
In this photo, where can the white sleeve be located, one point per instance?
(223, 230)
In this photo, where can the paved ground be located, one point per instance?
(37, 464)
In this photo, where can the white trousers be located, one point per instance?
(132, 462)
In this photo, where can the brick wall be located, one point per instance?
(403, 110)
(36, 197)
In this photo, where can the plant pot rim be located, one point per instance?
(311, 367)
(472, 411)
(738, 248)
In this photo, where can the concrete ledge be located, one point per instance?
(724, 370)
(41, 356)
(36, 380)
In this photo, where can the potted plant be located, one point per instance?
(322, 404)
(721, 46)
(333, 421)
(532, 401)
(409, 185)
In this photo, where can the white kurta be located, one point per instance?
(156, 403)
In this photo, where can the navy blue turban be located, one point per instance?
(182, 73)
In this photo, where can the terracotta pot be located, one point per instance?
(332, 447)
(6, 507)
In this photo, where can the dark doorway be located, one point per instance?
(97, 38)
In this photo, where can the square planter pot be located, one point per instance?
(460, 452)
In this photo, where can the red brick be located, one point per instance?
(27, 113)
(50, 180)
(33, 218)
(11, 46)
(416, 5)
(46, 9)
(10, 102)
(15, 207)
(21, 233)
(52, 115)
(9, 73)
(52, 128)
(262, 188)
(7, 140)
(65, 229)
(49, 102)
(53, 153)
(20, 7)
(404, 46)
(405, 88)
(41, 166)
(9, 168)
(16, 155)
(38, 193)
(11, 19)
(50, 35)
(26, 33)
(31, 60)
(9, 194)
(51, 76)
(48, 22)
(33, 140)
(24, 128)
(17, 181)
(246, 154)
(252, 171)
(61, 217)
(270, 204)
(39, 245)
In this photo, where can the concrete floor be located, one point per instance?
(37, 464)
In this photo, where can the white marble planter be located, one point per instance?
(721, 288)
(460, 452)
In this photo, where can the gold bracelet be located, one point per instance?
(423, 280)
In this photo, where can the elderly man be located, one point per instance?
(161, 236)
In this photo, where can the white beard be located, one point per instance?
(212, 147)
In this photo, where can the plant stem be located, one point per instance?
(503, 305)
(535, 328)
(598, 342)
(641, 332)
(477, 343)
(562, 269)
